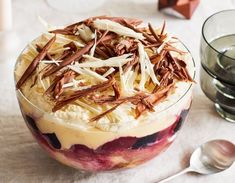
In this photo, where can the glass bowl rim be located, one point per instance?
(180, 98)
(203, 28)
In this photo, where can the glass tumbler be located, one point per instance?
(217, 76)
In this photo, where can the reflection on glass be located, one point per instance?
(218, 62)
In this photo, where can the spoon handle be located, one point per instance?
(186, 170)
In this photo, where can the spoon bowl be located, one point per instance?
(212, 157)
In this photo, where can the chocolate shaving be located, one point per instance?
(148, 38)
(78, 54)
(38, 48)
(67, 77)
(152, 100)
(101, 70)
(55, 81)
(131, 63)
(108, 49)
(47, 57)
(165, 78)
(172, 48)
(187, 75)
(147, 104)
(62, 31)
(172, 60)
(163, 28)
(180, 70)
(153, 45)
(66, 99)
(124, 46)
(155, 59)
(34, 81)
(154, 33)
(101, 53)
(111, 99)
(120, 20)
(52, 86)
(31, 68)
(104, 99)
(65, 54)
(181, 63)
(116, 90)
(72, 46)
(105, 113)
(47, 67)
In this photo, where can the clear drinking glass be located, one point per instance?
(218, 62)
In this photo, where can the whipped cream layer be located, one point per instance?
(72, 124)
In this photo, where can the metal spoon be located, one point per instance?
(212, 157)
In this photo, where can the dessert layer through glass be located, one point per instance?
(76, 133)
(125, 151)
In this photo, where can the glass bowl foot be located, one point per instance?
(227, 115)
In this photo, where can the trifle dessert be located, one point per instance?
(105, 93)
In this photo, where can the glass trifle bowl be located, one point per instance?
(104, 93)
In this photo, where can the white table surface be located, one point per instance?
(22, 160)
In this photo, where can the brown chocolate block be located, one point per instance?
(184, 7)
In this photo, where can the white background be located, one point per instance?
(22, 160)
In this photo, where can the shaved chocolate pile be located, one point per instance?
(35, 63)
(107, 45)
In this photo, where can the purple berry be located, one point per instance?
(144, 141)
(31, 122)
(52, 138)
(181, 119)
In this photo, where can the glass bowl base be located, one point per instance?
(224, 113)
